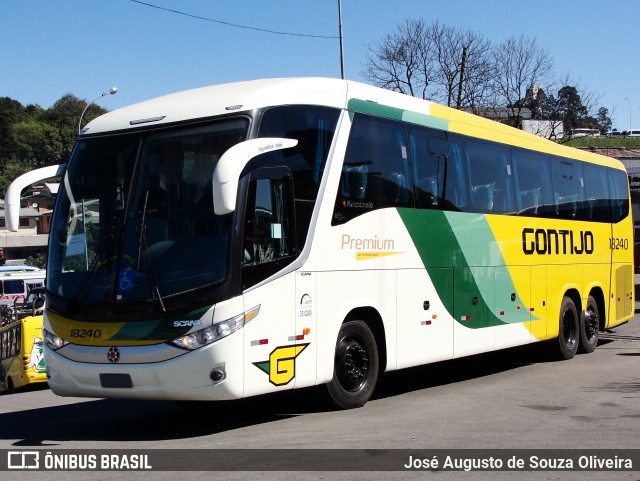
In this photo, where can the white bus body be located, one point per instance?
(334, 245)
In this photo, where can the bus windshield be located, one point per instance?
(134, 222)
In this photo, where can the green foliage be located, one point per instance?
(10, 170)
(32, 137)
(39, 261)
(603, 142)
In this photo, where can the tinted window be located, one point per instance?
(376, 171)
(459, 173)
(568, 189)
(533, 182)
(313, 127)
(619, 189)
(429, 151)
(597, 191)
(489, 176)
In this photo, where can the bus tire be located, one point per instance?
(11, 389)
(589, 327)
(566, 345)
(356, 365)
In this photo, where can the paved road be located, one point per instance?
(513, 399)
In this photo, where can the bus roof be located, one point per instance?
(245, 96)
(222, 99)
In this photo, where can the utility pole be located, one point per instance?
(464, 60)
(341, 46)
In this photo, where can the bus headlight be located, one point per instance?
(52, 341)
(196, 340)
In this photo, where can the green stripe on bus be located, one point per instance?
(379, 110)
(164, 329)
(448, 240)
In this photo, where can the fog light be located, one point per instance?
(217, 375)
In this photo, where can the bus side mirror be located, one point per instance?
(12, 196)
(227, 172)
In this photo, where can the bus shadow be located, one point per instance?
(113, 420)
(457, 370)
(131, 420)
(141, 420)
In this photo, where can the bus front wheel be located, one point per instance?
(566, 345)
(356, 366)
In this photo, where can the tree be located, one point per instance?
(603, 119)
(464, 70)
(10, 171)
(436, 62)
(32, 137)
(519, 63)
(463, 66)
(571, 110)
(11, 111)
(403, 61)
(38, 143)
(65, 115)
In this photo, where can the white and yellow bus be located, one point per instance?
(21, 357)
(261, 236)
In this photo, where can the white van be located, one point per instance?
(16, 285)
(573, 133)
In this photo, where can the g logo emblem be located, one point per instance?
(281, 366)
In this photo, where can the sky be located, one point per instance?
(49, 48)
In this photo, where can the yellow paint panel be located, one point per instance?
(91, 333)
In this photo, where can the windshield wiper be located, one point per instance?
(142, 241)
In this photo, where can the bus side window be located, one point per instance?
(454, 190)
(618, 187)
(569, 190)
(597, 190)
(376, 172)
(532, 183)
(269, 243)
(429, 150)
(490, 176)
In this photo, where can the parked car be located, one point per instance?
(573, 133)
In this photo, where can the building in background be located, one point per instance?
(33, 232)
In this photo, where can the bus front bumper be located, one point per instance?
(213, 372)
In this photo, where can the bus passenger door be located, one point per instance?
(269, 246)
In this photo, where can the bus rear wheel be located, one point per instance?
(356, 366)
(589, 326)
(566, 345)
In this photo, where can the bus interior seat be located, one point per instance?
(567, 204)
(483, 196)
(530, 200)
(428, 190)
